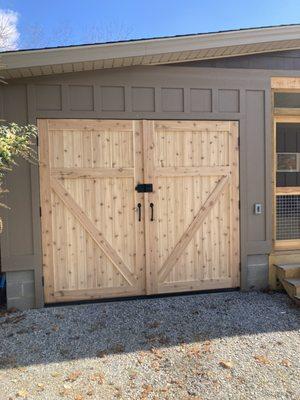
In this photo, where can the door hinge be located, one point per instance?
(40, 211)
(239, 141)
(43, 281)
(37, 141)
(240, 266)
(239, 204)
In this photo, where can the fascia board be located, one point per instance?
(42, 57)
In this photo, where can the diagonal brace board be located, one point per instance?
(96, 235)
(192, 229)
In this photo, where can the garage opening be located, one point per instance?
(138, 207)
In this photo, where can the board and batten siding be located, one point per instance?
(162, 92)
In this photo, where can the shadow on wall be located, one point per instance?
(58, 334)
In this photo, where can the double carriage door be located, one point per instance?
(104, 234)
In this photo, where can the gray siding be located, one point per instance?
(165, 92)
(283, 60)
(256, 153)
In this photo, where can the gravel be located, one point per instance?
(205, 346)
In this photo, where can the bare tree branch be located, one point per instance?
(9, 34)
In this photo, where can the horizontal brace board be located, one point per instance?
(210, 126)
(191, 171)
(90, 124)
(74, 173)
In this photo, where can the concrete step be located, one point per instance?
(285, 271)
(292, 285)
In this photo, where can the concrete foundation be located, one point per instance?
(20, 289)
(258, 272)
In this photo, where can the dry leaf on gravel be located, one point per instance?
(23, 394)
(55, 328)
(141, 356)
(101, 353)
(195, 350)
(207, 347)
(262, 359)
(41, 386)
(146, 390)
(21, 369)
(117, 348)
(98, 377)
(226, 364)
(285, 363)
(157, 353)
(177, 382)
(164, 389)
(154, 324)
(118, 393)
(78, 397)
(155, 365)
(132, 374)
(73, 376)
(64, 391)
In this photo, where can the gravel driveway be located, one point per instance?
(205, 346)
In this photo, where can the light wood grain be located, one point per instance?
(89, 173)
(287, 190)
(192, 229)
(191, 171)
(94, 246)
(193, 241)
(285, 83)
(92, 239)
(95, 234)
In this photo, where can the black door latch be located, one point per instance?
(144, 188)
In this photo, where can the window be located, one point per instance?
(286, 100)
(288, 154)
(288, 162)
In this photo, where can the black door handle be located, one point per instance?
(152, 211)
(140, 211)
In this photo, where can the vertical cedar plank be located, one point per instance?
(46, 220)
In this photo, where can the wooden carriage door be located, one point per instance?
(192, 237)
(93, 243)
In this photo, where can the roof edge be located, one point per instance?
(289, 36)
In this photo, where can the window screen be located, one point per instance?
(288, 162)
(287, 100)
(287, 217)
(288, 154)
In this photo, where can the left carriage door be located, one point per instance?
(92, 216)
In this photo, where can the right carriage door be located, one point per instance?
(192, 215)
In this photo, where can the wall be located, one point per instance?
(162, 92)
(280, 60)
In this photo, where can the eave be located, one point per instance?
(28, 63)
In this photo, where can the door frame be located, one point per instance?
(281, 115)
(146, 209)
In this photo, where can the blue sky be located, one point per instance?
(57, 22)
